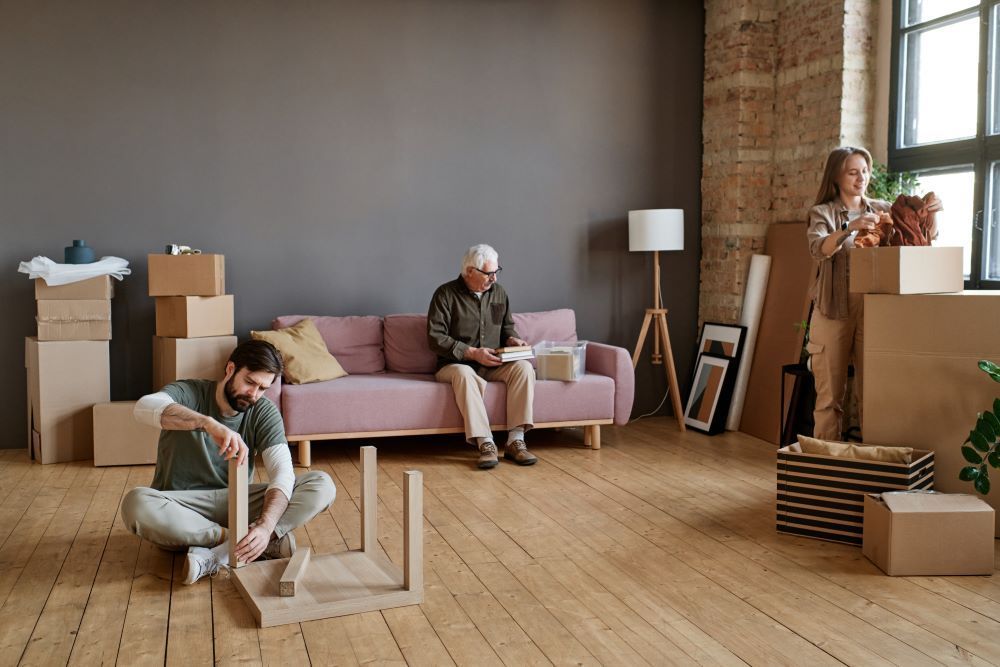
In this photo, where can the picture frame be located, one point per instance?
(711, 393)
(725, 340)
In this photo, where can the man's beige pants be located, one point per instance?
(176, 520)
(833, 344)
(470, 390)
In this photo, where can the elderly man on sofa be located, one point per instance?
(469, 318)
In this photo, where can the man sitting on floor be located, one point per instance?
(206, 423)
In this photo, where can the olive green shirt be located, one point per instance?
(190, 460)
(457, 320)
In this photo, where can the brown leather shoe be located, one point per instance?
(517, 452)
(488, 455)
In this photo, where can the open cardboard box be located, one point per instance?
(928, 534)
(906, 270)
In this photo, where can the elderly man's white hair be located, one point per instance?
(478, 255)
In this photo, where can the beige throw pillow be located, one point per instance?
(304, 352)
(848, 450)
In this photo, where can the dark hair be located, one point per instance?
(257, 356)
(828, 189)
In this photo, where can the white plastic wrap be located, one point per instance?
(62, 274)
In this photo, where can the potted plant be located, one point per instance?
(887, 186)
(982, 447)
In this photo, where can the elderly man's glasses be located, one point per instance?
(490, 274)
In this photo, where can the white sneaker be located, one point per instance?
(199, 562)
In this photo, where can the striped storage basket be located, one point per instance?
(823, 496)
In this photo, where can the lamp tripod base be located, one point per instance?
(658, 317)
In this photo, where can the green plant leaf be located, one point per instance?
(992, 419)
(996, 406)
(982, 484)
(971, 456)
(994, 459)
(985, 428)
(968, 473)
(990, 369)
(979, 441)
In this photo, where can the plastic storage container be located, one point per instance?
(560, 361)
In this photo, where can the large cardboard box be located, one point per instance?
(101, 287)
(120, 440)
(187, 275)
(74, 319)
(194, 316)
(922, 385)
(190, 358)
(65, 380)
(928, 534)
(906, 270)
(822, 496)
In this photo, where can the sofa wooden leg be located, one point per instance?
(592, 436)
(305, 453)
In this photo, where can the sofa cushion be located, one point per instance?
(304, 353)
(555, 325)
(384, 402)
(406, 349)
(409, 401)
(356, 341)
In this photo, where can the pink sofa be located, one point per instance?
(390, 389)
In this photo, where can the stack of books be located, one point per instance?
(514, 353)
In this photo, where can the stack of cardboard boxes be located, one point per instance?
(68, 367)
(922, 388)
(194, 317)
(194, 338)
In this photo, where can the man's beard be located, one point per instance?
(238, 402)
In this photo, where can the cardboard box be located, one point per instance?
(190, 358)
(922, 385)
(65, 380)
(934, 534)
(560, 361)
(74, 319)
(906, 270)
(101, 287)
(187, 275)
(194, 316)
(119, 440)
(822, 496)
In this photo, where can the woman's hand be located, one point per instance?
(866, 221)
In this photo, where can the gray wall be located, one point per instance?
(342, 155)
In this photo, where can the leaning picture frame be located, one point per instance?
(711, 392)
(725, 340)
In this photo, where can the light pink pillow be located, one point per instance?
(406, 349)
(356, 341)
(555, 325)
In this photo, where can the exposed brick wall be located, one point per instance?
(785, 82)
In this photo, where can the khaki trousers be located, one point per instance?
(470, 389)
(176, 520)
(833, 344)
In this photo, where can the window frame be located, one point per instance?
(978, 151)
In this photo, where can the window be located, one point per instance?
(946, 120)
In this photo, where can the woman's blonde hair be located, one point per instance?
(828, 188)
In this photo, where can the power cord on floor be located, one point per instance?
(655, 410)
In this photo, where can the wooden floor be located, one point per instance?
(659, 548)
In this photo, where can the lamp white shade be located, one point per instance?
(656, 229)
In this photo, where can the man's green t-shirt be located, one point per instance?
(189, 460)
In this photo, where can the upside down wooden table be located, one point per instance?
(308, 587)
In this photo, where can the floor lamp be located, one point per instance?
(656, 230)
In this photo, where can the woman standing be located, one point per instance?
(836, 331)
